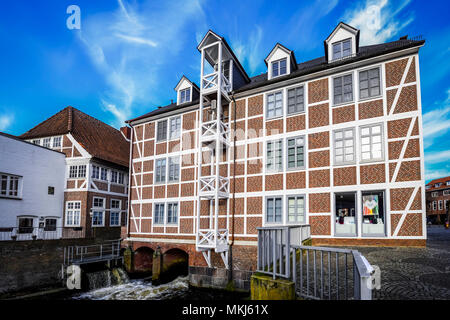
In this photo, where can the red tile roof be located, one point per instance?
(440, 180)
(99, 139)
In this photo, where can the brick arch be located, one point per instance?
(143, 259)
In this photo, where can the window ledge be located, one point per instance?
(343, 103)
(343, 164)
(274, 118)
(371, 98)
(371, 161)
(10, 197)
(295, 113)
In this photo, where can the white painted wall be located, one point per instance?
(39, 168)
(340, 34)
(278, 54)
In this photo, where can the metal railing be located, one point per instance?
(92, 253)
(45, 233)
(274, 248)
(318, 272)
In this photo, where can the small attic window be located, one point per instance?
(342, 49)
(185, 95)
(279, 68)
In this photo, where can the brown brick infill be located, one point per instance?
(320, 202)
(371, 109)
(318, 91)
(394, 72)
(343, 114)
(373, 173)
(344, 176)
(318, 116)
(407, 100)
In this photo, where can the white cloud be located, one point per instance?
(130, 47)
(249, 50)
(437, 157)
(436, 123)
(378, 20)
(436, 174)
(6, 121)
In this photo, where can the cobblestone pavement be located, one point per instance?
(414, 273)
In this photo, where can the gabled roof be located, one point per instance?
(290, 52)
(185, 78)
(440, 180)
(100, 140)
(213, 34)
(304, 68)
(347, 27)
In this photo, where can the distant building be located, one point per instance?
(438, 197)
(31, 190)
(96, 171)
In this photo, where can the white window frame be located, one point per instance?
(303, 137)
(161, 171)
(176, 213)
(274, 94)
(296, 196)
(73, 210)
(168, 164)
(177, 133)
(266, 207)
(446, 193)
(159, 223)
(379, 83)
(440, 205)
(36, 141)
(97, 209)
(47, 142)
(187, 98)
(8, 189)
(342, 76)
(361, 128)
(114, 211)
(274, 169)
(434, 205)
(300, 87)
(341, 51)
(344, 139)
(59, 138)
(357, 217)
(157, 130)
(278, 68)
(434, 194)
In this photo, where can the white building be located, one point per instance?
(31, 190)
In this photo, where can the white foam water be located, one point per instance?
(138, 290)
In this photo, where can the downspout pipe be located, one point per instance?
(230, 253)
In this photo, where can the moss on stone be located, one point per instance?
(263, 287)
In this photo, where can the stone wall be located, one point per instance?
(217, 278)
(31, 265)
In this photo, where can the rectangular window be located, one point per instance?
(342, 49)
(345, 214)
(185, 95)
(37, 141)
(73, 213)
(114, 176)
(434, 194)
(25, 225)
(296, 153)
(296, 102)
(103, 174)
(274, 210)
(275, 104)
(296, 209)
(160, 170)
(95, 172)
(369, 83)
(274, 155)
(344, 146)
(440, 204)
(172, 213)
(373, 213)
(9, 186)
(73, 172)
(446, 192)
(46, 142)
(114, 217)
(372, 143)
(434, 205)
(56, 142)
(446, 204)
(50, 224)
(162, 130)
(174, 169)
(98, 212)
(279, 68)
(175, 127)
(158, 216)
(82, 171)
(343, 89)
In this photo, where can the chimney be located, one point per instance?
(126, 132)
(404, 37)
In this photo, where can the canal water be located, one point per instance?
(141, 289)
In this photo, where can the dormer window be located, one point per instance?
(185, 95)
(342, 49)
(279, 68)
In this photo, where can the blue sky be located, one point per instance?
(129, 55)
